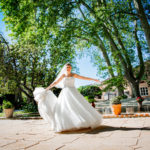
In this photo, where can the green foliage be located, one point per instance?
(114, 82)
(7, 104)
(1, 108)
(31, 64)
(124, 96)
(90, 100)
(7, 86)
(116, 100)
(59, 27)
(16, 101)
(30, 107)
(90, 91)
(139, 99)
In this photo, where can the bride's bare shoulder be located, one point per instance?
(74, 74)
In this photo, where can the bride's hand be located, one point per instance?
(47, 89)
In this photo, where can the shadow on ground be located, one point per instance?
(102, 128)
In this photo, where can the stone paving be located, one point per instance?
(113, 134)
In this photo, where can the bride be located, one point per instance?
(70, 111)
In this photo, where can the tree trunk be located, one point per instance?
(136, 89)
(132, 90)
(110, 70)
(120, 91)
(144, 22)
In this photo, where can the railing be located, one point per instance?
(131, 105)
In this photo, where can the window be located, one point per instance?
(144, 91)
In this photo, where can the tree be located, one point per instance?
(30, 65)
(7, 86)
(108, 25)
(111, 31)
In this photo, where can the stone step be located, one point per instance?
(135, 115)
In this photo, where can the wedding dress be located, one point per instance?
(69, 111)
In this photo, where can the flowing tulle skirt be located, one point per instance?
(69, 111)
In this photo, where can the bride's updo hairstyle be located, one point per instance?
(68, 64)
(62, 71)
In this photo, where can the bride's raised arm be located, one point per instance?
(85, 78)
(56, 82)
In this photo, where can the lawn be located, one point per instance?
(22, 113)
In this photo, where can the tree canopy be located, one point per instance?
(114, 28)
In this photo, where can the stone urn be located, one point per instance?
(8, 108)
(8, 112)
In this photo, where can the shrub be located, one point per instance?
(1, 108)
(90, 100)
(124, 96)
(7, 104)
(29, 107)
(11, 97)
(90, 91)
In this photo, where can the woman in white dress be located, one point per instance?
(70, 110)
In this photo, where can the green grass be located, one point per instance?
(1, 114)
(21, 113)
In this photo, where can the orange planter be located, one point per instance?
(116, 109)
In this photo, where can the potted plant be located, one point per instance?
(8, 108)
(140, 100)
(116, 105)
(90, 100)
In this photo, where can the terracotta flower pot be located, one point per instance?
(116, 109)
(9, 112)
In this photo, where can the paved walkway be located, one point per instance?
(113, 134)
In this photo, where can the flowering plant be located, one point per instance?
(116, 100)
(140, 99)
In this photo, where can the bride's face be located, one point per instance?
(69, 68)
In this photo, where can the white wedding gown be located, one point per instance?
(69, 111)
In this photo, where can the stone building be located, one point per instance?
(144, 86)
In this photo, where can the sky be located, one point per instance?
(86, 68)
